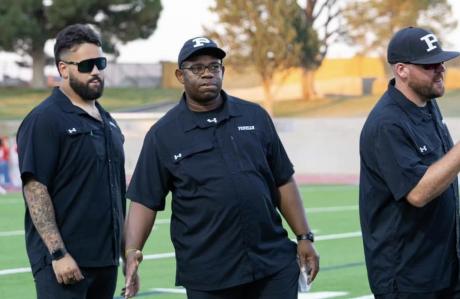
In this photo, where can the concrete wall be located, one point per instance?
(318, 147)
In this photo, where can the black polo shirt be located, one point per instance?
(223, 168)
(81, 161)
(407, 249)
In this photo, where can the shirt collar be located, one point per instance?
(191, 120)
(66, 105)
(414, 112)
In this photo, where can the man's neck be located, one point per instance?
(89, 106)
(410, 94)
(204, 107)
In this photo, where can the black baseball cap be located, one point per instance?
(199, 46)
(417, 46)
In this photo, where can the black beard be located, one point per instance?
(85, 91)
(425, 91)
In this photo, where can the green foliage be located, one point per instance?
(258, 32)
(308, 40)
(371, 23)
(25, 25)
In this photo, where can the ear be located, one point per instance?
(180, 76)
(401, 70)
(63, 70)
(223, 71)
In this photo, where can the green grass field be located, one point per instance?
(332, 212)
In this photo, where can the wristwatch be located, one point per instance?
(58, 254)
(308, 236)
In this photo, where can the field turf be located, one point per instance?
(332, 212)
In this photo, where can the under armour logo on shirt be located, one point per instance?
(200, 41)
(430, 40)
(179, 155)
(72, 131)
(212, 120)
(423, 149)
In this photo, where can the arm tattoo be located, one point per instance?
(42, 213)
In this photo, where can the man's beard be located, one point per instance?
(84, 90)
(426, 91)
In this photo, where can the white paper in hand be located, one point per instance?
(304, 286)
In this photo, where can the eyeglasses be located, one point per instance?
(433, 66)
(199, 69)
(87, 66)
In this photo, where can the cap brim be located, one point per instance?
(211, 51)
(437, 58)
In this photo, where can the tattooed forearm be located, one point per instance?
(42, 213)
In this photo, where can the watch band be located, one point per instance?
(308, 236)
(58, 254)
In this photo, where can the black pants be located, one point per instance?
(282, 284)
(99, 283)
(449, 293)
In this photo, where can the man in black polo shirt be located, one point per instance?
(228, 173)
(408, 185)
(72, 168)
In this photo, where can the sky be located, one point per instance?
(181, 20)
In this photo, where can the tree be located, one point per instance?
(260, 34)
(372, 23)
(318, 25)
(26, 25)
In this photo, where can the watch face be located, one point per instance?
(309, 236)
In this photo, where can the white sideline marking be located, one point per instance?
(21, 232)
(331, 209)
(365, 297)
(338, 236)
(159, 256)
(168, 221)
(172, 254)
(171, 291)
(321, 295)
(12, 233)
(14, 271)
(313, 295)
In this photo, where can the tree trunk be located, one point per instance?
(268, 99)
(38, 68)
(308, 88)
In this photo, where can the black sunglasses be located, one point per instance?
(87, 66)
(432, 66)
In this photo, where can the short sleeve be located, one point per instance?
(398, 161)
(38, 148)
(278, 160)
(150, 181)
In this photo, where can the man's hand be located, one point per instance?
(132, 280)
(309, 258)
(67, 270)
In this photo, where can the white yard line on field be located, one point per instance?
(21, 232)
(12, 233)
(168, 221)
(171, 254)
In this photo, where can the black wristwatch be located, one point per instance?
(58, 254)
(308, 236)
